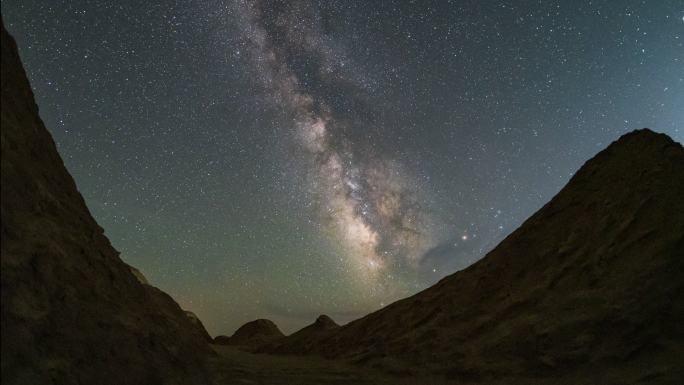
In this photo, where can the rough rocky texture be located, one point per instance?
(221, 340)
(303, 338)
(154, 292)
(252, 335)
(199, 325)
(590, 289)
(72, 311)
(139, 275)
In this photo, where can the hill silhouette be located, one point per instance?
(302, 338)
(252, 335)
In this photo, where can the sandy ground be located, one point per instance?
(234, 366)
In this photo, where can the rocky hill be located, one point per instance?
(322, 323)
(161, 297)
(252, 335)
(590, 289)
(303, 338)
(72, 311)
(194, 319)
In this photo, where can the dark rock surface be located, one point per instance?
(590, 289)
(323, 322)
(139, 275)
(221, 340)
(162, 297)
(72, 311)
(198, 325)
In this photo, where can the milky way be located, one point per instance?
(368, 200)
(282, 159)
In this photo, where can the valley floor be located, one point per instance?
(234, 366)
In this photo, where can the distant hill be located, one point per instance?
(590, 289)
(252, 335)
(302, 338)
(72, 311)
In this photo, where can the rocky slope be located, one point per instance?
(161, 297)
(252, 335)
(198, 325)
(72, 311)
(590, 289)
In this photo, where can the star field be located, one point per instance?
(284, 159)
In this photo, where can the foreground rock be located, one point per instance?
(252, 335)
(589, 289)
(197, 323)
(72, 311)
(160, 295)
(138, 275)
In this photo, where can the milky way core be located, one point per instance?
(366, 198)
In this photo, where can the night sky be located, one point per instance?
(284, 159)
